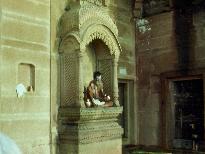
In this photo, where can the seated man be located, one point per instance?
(95, 95)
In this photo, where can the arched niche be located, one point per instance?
(98, 58)
(88, 42)
(98, 50)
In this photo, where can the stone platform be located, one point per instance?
(90, 130)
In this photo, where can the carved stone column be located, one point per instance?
(80, 90)
(115, 82)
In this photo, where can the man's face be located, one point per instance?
(98, 78)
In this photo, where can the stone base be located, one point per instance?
(104, 147)
(90, 131)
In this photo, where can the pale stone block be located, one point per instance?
(14, 56)
(25, 45)
(108, 147)
(11, 105)
(28, 104)
(15, 30)
(26, 129)
(42, 83)
(41, 149)
(37, 104)
(31, 8)
(30, 146)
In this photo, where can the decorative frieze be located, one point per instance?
(87, 114)
(95, 14)
(96, 2)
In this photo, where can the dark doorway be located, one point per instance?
(187, 96)
(126, 99)
(122, 100)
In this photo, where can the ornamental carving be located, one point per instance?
(96, 2)
(78, 19)
(69, 22)
(90, 14)
(103, 33)
(84, 114)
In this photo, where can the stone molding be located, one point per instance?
(70, 43)
(96, 2)
(87, 114)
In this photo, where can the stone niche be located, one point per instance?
(88, 43)
(26, 76)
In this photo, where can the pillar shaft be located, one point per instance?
(80, 91)
(115, 83)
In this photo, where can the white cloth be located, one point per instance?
(97, 102)
(20, 90)
(8, 146)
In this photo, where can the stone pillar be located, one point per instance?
(115, 82)
(80, 90)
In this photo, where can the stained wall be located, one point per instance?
(169, 47)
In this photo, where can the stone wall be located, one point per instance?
(25, 58)
(121, 12)
(57, 9)
(159, 52)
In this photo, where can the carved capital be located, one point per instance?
(115, 62)
(80, 55)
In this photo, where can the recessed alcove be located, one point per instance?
(97, 58)
(26, 76)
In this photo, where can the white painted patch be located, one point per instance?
(123, 71)
(8, 146)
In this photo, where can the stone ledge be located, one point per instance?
(87, 114)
